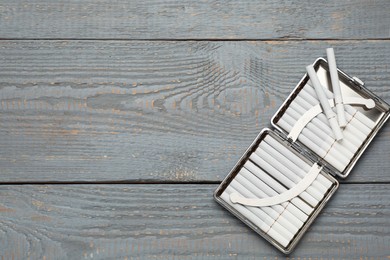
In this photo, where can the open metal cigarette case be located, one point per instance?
(297, 139)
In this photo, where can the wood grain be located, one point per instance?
(158, 19)
(158, 111)
(91, 92)
(176, 222)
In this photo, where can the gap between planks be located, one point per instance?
(157, 183)
(284, 39)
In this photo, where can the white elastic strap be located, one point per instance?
(315, 110)
(303, 121)
(367, 102)
(280, 198)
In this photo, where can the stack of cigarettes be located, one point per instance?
(271, 170)
(286, 176)
(336, 134)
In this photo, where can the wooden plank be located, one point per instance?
(153, 111)
(176, 222)
(156, 19)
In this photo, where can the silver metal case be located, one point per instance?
(350, 86)
(297, 150)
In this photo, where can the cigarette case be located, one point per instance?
(287, 175)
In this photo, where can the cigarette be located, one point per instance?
(300, 173)
(355, 132)
(353, 111)
(274, 219)
(320, 141)
(357, 127)
(288, 231)
(313, 146)
(260, 189)
(256, 221)
(334, 76)
(361, 117)
(349, 109)
(322, 135)
(353, 119)
(331, 116)
(259, 158)
(301, 105)
(276, 211)
(279, 188)
(275, 160)
(308, 92)
(294, 161)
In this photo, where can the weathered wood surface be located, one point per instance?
(159, 111)
(114, 109)
(176, 222)
(194, 19)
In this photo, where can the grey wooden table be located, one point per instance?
(118, 120)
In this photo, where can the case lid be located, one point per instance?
(353, 91)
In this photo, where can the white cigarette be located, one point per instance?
(283, 157)
(357, 127)
(348, 108)
(301, 105)
(287, 231)
(351, 110)
(277, 162)
(256, 221)
(322, 135)
(308, 97)
(279, 188)
(320, 141)
(252, 186)
(281, 224)
(334, 76)
(355, 131)
(322, 149)
(362, 118)
(301, 166)
(329, 157)
(296, 216)
(313, 146)
(279, 212)
(331, 116)
(358, 124)
(317, 126)
(260, 161)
